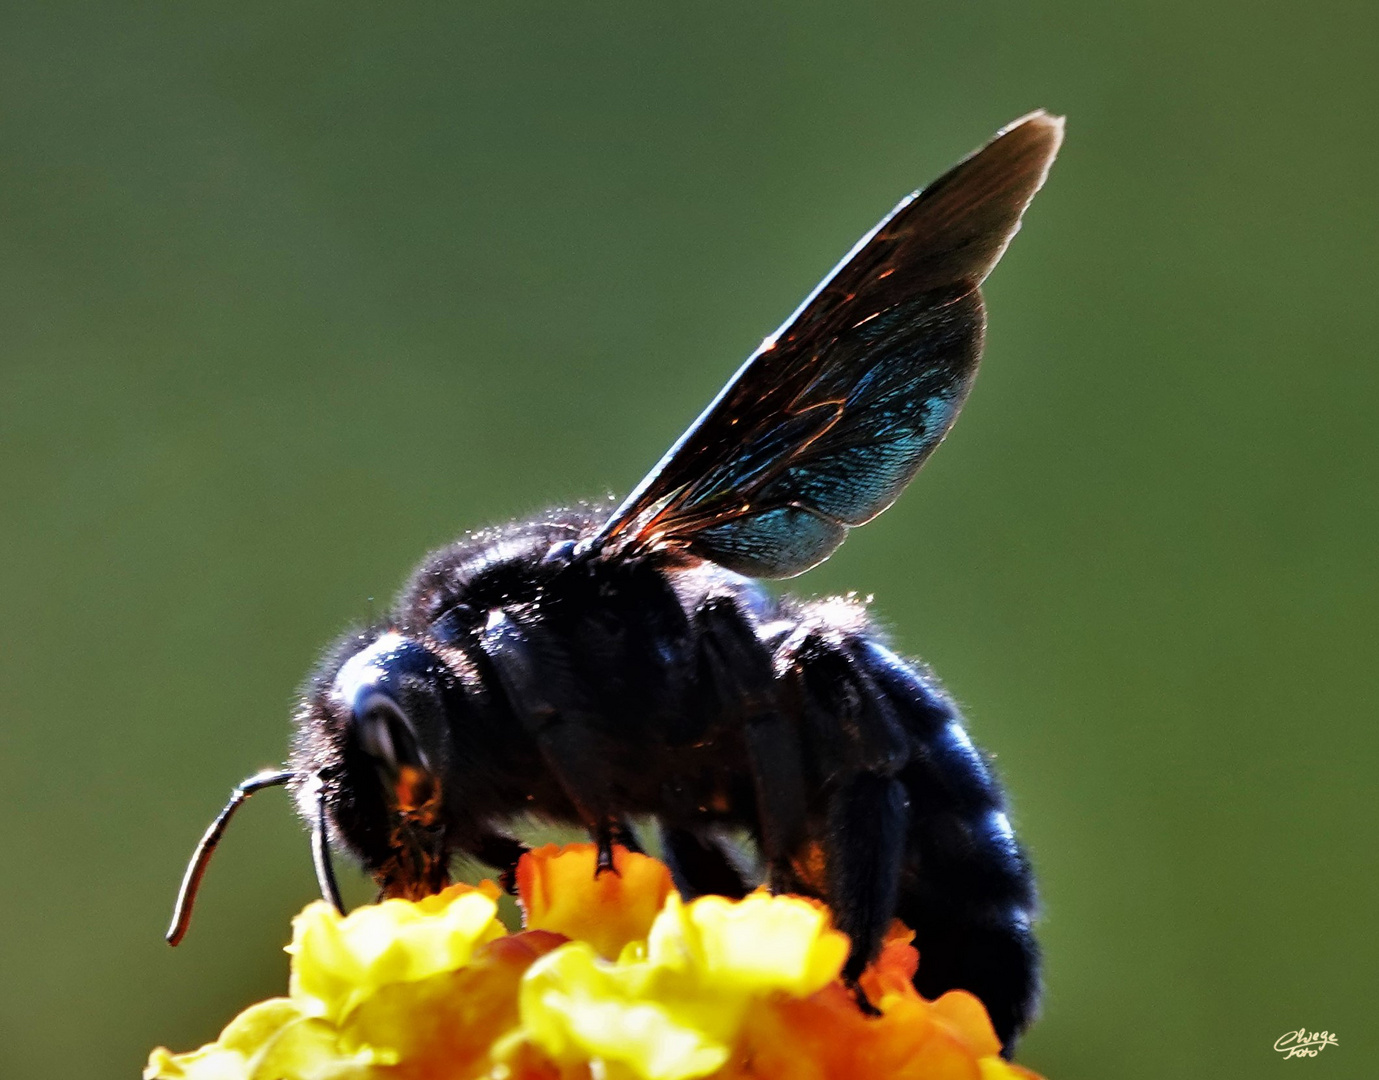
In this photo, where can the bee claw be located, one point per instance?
(617, 832)
(605, 858)
(864, 1004)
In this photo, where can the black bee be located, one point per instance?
(591, 670)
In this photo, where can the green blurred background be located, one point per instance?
(290, 293)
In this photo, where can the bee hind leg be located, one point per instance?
(967, 888)
(848, 723)
(868, 818)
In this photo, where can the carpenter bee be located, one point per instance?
(593, 670)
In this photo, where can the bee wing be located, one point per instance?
(824, 425)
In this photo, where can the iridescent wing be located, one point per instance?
(824, 425)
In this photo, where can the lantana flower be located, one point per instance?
(613, 977)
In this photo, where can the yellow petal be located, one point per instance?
(456, 1016)
(309, 1049)
(994, 1068)
(578, 1008)
(674, 1009)
(229, 1058)
(753, 946)
(257, 1024)
(211, 1062)
(268, 1041)
(339, 962)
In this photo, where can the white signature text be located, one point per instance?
(1303, 1043)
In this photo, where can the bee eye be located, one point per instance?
(385, 733)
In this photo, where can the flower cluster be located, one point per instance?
(613, 978)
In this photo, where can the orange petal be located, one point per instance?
(965, 1016)
(450, 1024)
(823, 1037)
(559, 892)
(893, 970)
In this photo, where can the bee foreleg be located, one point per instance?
(736, 675)
(548, 700)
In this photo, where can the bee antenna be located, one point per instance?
(320, 852)
(201, 857)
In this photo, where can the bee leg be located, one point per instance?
(967, 889)
(736, 677)
(502, 853)
(615, 831)
(849, 723)
(699, 864)
(545, 697)
(868, 820)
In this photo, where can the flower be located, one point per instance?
(613, 978)
(606, 910)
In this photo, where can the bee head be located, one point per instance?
(372, 746)
(376, 736)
